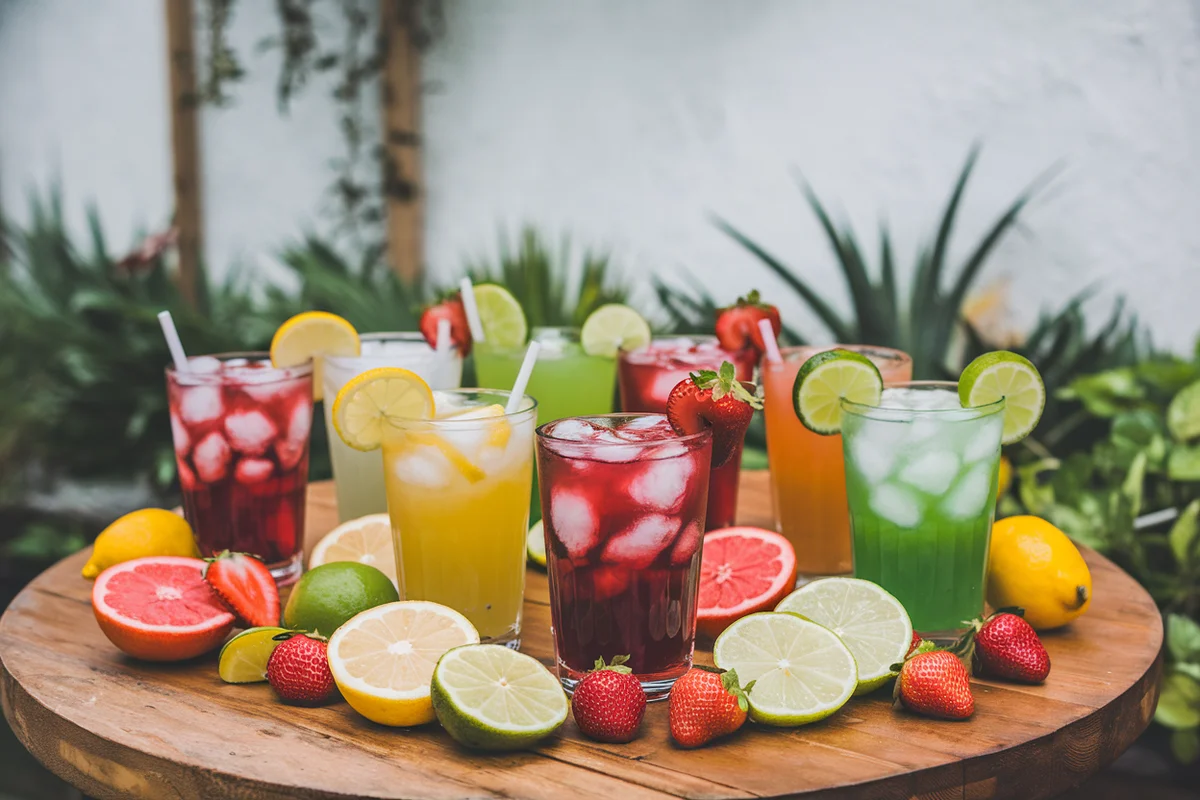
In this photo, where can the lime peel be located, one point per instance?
(1004, 375)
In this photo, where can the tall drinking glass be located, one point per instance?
(921, 481)
(241, 429)
(623, 499)
(457, 490)
(808, 477)
(648, 374)
(358, 476)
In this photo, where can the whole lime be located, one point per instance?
(327, 596)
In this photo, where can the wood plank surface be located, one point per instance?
(118, 728)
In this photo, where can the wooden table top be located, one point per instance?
(118, 728)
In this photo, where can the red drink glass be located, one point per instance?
(241, 429)
(623, 499)
(647, 376)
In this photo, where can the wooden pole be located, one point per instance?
(401, 88)
(185, 144)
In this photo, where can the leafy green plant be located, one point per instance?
(1179, 698)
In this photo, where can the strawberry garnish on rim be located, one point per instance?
(717, 400)
(245, 584)
(449, 309)
(737, 325)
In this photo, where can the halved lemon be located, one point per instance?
(312, 335)
(365, 406)
(367, 540)
(383, 659)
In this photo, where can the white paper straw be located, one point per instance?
(173, 343)
(768, 334)
(518, 389)
(468, 300)
(443, 336)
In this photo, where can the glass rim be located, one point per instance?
(220, 378)
(452, 422)
(685, 438)
(536, 334)
(895, 413)
(700, 338)
(890, 354)
(415, 337)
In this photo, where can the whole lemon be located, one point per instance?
(146, 532)
(1033, 564)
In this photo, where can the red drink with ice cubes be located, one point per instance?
(647, 376)
(623, 502)
(241, 431)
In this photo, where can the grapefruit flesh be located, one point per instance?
(160, 608)
(742, 570)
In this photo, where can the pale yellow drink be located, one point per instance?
(458, 497)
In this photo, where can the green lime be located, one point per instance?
(535, 544)
(1005, 375)
(327, 596)
(491, 698)
(825, 380)
(865, 617)
(500, 314)
(244, 658)
(612, 327)
(802, 671)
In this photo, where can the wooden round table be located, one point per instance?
(118, 728)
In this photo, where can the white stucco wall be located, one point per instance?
(627, 122)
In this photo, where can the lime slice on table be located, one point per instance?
(825, 380)
(802, 671)
(865, 617)
(503, 321)
(244, 658)
(491, 698)
(612, 327)
(364, 406)
(535, 544)
(1005, 375)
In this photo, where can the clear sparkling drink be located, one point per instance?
(921, 475)
(623, 501)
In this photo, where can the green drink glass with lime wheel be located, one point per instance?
(921, 473)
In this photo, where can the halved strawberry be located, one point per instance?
(713, 399)
(246, 586)
(737, 325)
(449, 309)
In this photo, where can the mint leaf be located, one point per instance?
(728, 373)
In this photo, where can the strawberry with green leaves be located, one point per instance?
(452, 310)
(609, 702)
(934, 683)
(1005, 646)
(737, 325)
(705, 704)
(716, 400)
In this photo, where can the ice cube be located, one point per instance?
(575, 429)
(648, 422)
(872, 458)
(984, 443)
(201, 404)
(253, 470)
(425, 466)
(668, 450)
(686, 545)
(616, 449)
(291, 448)
(661, 484)
(179, 435)
(922, 429)
(647, 429)
(637, 546)
(249, 432)
(187, 478)
(204, 365)
(236, 362)
(574, 521)
(211, 458)
(660, 389)
(932, 472)
(896, 505)
(969, 497)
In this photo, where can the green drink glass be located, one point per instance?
(921, 475)
(566, 382)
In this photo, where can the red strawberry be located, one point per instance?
(916, 642)
(298, 670)
(246, 586)
(707, 704)
(737, 325)
(713, 399)
(1006, 646)
(450, 309)
(609, 702)
(934, 683)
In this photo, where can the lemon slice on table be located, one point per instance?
(503, 321)
(872, 623)
(825, 380)
(1003, 374)
(244, 658)
(367, 403)
(312, 335)
(382, 660)
(535, 544)
(367, 540)
(612, 327)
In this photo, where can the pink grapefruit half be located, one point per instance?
(743, 570)
(160, 608)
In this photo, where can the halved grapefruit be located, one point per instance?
(160, 608)
(743, 570)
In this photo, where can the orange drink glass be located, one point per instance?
(808, 475)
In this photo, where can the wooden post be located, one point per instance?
(401, 88)
(185, 144)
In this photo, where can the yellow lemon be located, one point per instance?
(1003, 476)
(147, 532)
(311, 336)
(1033, 564)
